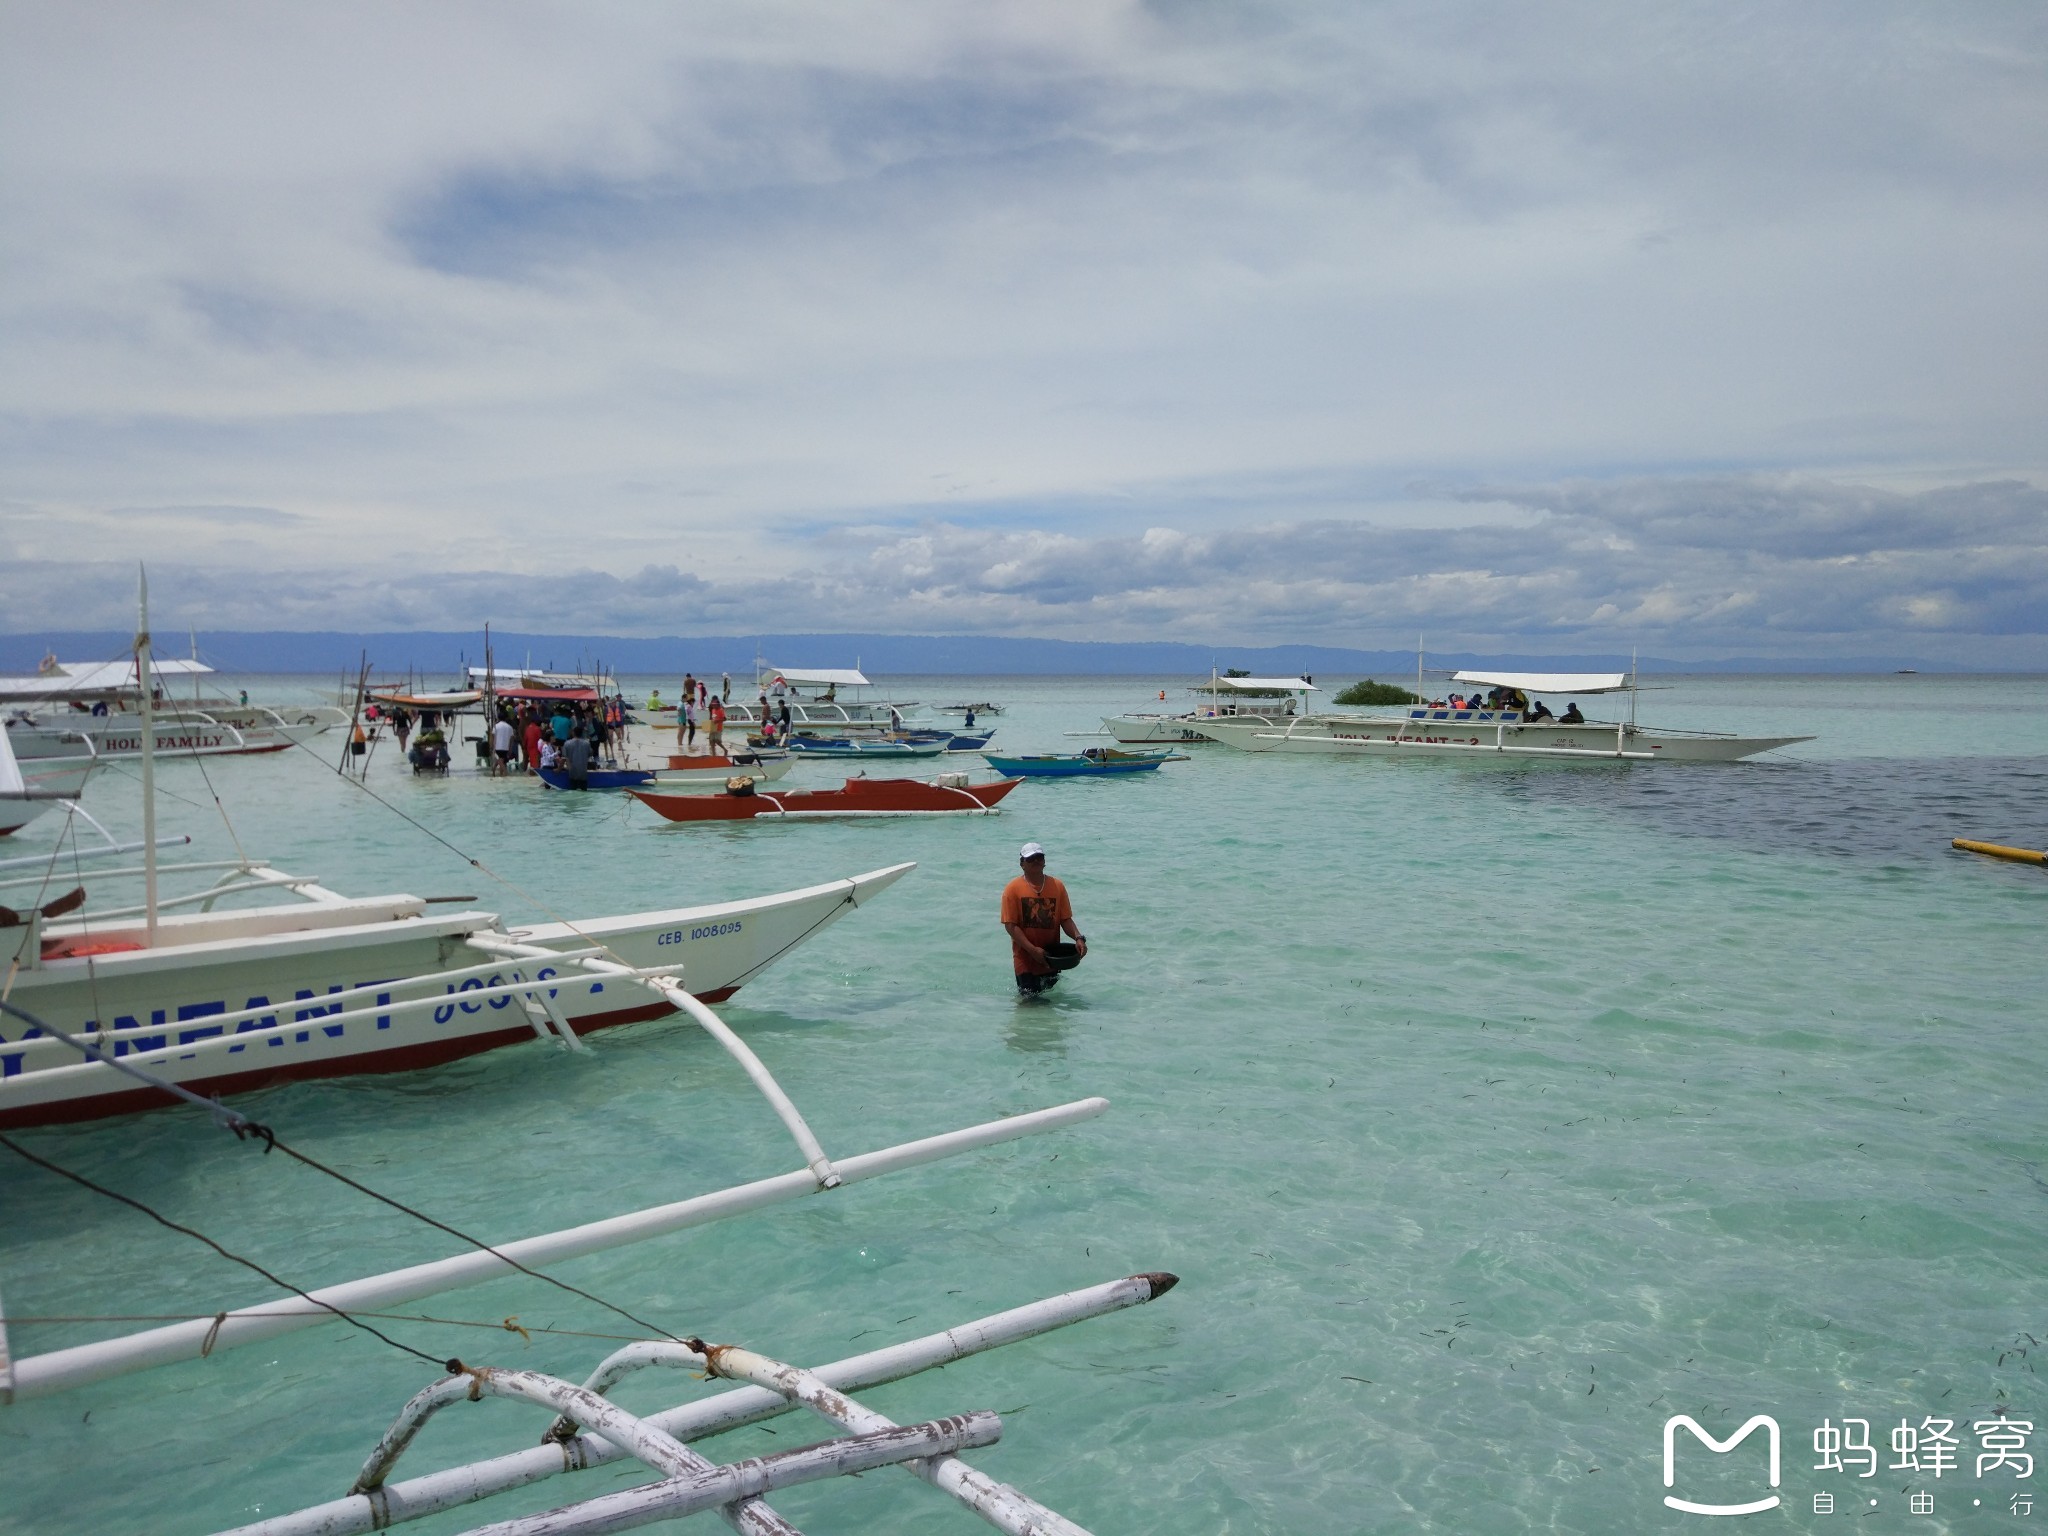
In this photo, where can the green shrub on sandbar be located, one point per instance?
(1366, 691)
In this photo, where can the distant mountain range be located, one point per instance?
(439, 655)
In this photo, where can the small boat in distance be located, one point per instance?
(702, 773)
(1533, 731)
(1265, 700)
(857, 746)
(1095, 762)
(948, 795)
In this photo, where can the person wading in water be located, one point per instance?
(1036, 911)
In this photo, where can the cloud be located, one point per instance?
(230, 517)
(1716, 566)
(456, 287)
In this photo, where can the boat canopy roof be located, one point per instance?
(1548, 682)
(571, 695)
(69, 679)
(842, 677)
(1271, 684)
(451, 700)
(508, 678)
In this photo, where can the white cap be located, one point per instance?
(1031, 851)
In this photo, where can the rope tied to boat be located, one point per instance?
(244, 1128)
(212, 1335)
(477, 1374)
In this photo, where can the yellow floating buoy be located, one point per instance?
(2000, 851)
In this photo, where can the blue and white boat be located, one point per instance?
(1096, 762)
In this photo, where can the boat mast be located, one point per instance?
(148, 757)
(1420, 696)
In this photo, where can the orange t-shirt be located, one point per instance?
(1039, 911)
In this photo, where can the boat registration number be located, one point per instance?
(708, 931)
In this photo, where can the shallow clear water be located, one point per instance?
(1491, 1115)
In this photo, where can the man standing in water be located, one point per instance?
(1036, 911)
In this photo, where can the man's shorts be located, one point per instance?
(1030, 985)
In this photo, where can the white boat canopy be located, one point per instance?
(68, 679)
(1548, 682)
(534, 677)
(843, 677)
(1271, 684)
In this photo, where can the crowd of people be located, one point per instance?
(574, 735)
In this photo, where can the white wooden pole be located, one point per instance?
(677, 1498)
(62, 1369)
(148, 758)
(435, 1492)
(1007, 1509)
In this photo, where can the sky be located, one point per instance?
(1711, 329)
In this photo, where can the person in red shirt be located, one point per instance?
(530, 738)
(1036, 911)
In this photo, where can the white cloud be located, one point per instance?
(516, 288)
(1752, 567)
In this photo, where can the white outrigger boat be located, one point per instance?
(103, 700)
(1514, 732)
(1261, 701)
(220, 997)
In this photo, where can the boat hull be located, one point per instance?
(859, 797)
(1182, 730)
(169, 993)
(1061, 766)
(1546, 741)
(802, 746)
(175, 736)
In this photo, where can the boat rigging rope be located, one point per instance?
(245, 1129)
(113, 1194)
(505, 1325)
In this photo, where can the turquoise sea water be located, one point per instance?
(1490, 1115)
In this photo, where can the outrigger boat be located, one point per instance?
(948, 795)
(31, 788)
(853, 746)
(700, 776)
(1513, 732)
(589, 1429)
(1267, 701)
(103, 701)
(1096, 762)
(224, 997)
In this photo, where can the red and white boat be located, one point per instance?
(948, 795)
(226, 1001)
